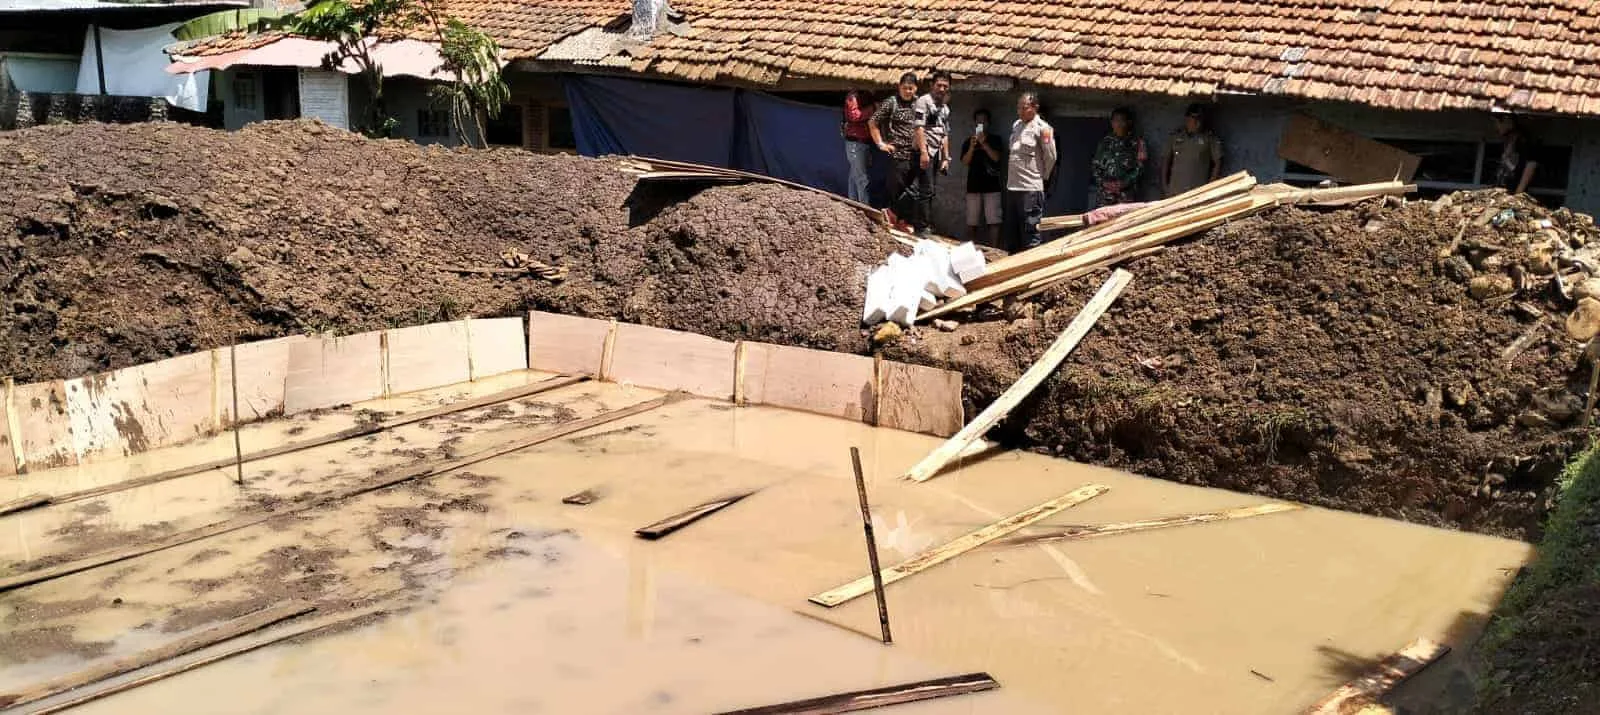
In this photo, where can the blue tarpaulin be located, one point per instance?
(730, 128)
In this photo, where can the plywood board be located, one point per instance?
(427, 356)
(566, 344)
(263, 377)
(1343, 154)
(496, 346)
(922, 399)
(833, 384)
(46, 433)
(325, 371)
(8, 455)
(142, 407)
(672, 360)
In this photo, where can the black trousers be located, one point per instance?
(911, 192)
(1022, 213)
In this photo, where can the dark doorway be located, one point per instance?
(280, 94)
(1075, 141)
(506, 129)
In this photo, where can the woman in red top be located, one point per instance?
(858, 108)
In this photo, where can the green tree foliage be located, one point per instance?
(478, 90)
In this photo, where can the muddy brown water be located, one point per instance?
(525, 604)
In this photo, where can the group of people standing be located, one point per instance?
(1006, 178)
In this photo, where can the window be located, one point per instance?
(245, 92)
(559, 136)
(506, 129)
(433, 123)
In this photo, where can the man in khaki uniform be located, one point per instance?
(1194, 154)
(1032, 160)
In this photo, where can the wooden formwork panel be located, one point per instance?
(44, 432)
(8, 454)
(922, 399)
(827, 383)
(496, 346)
(263, 376)
(138, 408)
(672, 360)
(426, 356)
(327, 371)
(563, 343)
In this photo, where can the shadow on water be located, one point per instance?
(1445, 687)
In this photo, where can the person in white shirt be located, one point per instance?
(1032, 160)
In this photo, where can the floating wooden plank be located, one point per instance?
(568, 344)
(879, 697)
(1073, 533)
(672, 360)
(940, 554)
(1382, 678)
(313, 627)
(422, 357)
(10, 431)
(921, 399)
(496, 346)
(583, 498)
(689, 516)
(421, 471)
(1031, 379)
(340, 436)
(210, 636)
(328, 371)
(1343, 154)
(24, 503)
(45, 431)
(263, 377)
(827, 383)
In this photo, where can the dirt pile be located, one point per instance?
(1338, 358)
(121, 244)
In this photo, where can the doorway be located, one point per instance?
(1076, 138)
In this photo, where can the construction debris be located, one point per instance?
(905, 284)
(879, 697)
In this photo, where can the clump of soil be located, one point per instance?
(1326, 357)
(123, 244)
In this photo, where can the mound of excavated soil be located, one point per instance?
(1334, 358)
(121, 244)
(1327, 357)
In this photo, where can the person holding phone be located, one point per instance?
(984, 155)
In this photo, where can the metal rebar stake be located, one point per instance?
(872, 546)
(238, 448)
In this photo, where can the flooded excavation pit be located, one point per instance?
(465, 582)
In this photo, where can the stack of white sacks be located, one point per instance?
(904, 285)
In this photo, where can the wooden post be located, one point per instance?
(238, 446)
(872, 546)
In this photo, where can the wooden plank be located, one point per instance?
(1336, 196)
(140, 408)
(672, 360)
(1025, 385)
(422, 357)
(567, 344)
(421, 471)
(921, 399)
(1343, 154)
(879, 697)
(313, 627)
(44, 428)
(686, 517)
(583, 498)
(496, 346)
(940, 554)
(10, 431)
(32, 501)
(1382, 678)
(327, 372)
(1074, 533)
(263, 377)
(210, 636)
(827, 383)
(341, 435)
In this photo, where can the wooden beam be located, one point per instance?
(1073, 533)
(210, 636)
(1024, 386)
(967, 542)
(313, 627)
(687, 517)
(583, 498)
(417, 472)
(340, 436)
(28, 502)
(1382, 678)
(879, 697)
